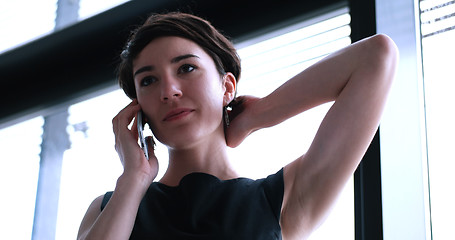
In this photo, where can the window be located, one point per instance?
(282, 54)
(438, 35)
(267, 62)
(37, 18)
(91, 166)
(417, 127)
(34, 20)
(89, 8)
(20, 160)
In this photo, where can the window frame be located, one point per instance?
(403, 134)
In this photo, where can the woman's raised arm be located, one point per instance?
(358, 79)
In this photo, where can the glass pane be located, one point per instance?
(20, 149)
(88, 8)
(438, 24)
(24, 20)
(43, 13)
(91, 166)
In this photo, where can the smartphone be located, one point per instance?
(140, 130)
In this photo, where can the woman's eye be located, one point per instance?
(186, 68)
(147, 81)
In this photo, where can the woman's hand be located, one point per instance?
(136, 166)
(242, 119)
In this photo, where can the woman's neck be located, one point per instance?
(210, 157)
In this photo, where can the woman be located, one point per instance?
(182, 74)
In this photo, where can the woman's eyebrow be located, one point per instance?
(143, 69)
(174, 60)
(182, 57)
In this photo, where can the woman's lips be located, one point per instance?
(176, 114)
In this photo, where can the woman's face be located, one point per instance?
(180, 91)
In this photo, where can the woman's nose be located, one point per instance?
(170, 90)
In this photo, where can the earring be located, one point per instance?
(226, 116)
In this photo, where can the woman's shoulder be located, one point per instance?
(93, 211)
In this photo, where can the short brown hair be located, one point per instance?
(182, 25)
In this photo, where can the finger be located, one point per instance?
(132, 103)
(134, 128)
(150, 145)
(130, 113)
(125, 116)
(129, 110)
(153, 161)
(235, 111)
(237, 101)
(117, 117)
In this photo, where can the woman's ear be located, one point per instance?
(230, 86)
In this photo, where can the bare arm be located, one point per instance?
(358, 79)
(116, 221)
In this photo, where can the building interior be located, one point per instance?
(401, 190)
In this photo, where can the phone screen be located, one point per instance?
(140, 130)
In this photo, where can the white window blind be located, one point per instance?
(267, 62)
(271, 62)
(437, 17)
(438, 38)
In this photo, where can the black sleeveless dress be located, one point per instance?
(205, 207)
